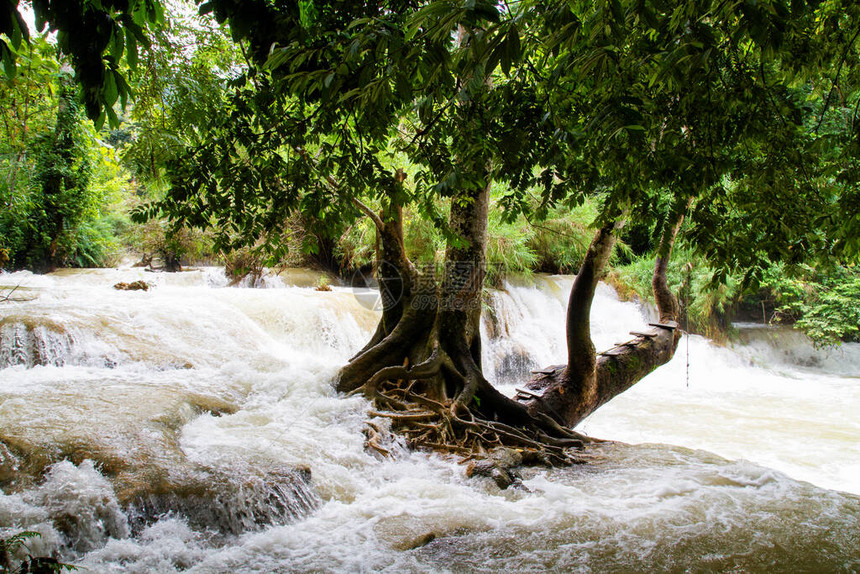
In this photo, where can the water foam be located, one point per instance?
(231, 387)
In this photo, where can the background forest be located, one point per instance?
(69, 189)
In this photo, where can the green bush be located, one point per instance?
(823, 304)
(357, 245)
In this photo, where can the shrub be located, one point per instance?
(823, 304)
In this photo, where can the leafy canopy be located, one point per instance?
(99, 36)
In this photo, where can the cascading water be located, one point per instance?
(194, 427)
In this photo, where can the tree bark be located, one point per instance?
(421, 320)
(465, 269)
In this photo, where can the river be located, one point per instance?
(193, 427)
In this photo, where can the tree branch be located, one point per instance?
(377, 221)
(581, 355)
(667, 303)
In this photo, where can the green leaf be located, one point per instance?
(117, 43)
(131, 54)
(8, 59)
(109, 91)
(512, 44)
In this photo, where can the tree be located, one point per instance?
(628, 100)
(436, 62)
(660, 109)
(27, 99)
(98, 36)
(180, 85)
(39, 228)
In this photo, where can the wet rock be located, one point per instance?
(10, 465)
(23, 465)
(500, 466)
(214, 501)
(133, 286)
(417, 542)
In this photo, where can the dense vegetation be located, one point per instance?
(775, 221)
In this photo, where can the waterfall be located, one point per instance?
(776, 347)
(525, 326)
(193, 427)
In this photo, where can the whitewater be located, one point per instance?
(194, 428)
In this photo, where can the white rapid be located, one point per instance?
(193, 427)
(771, 398)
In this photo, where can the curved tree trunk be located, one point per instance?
(396, 275)
(422, 324)
(407, 314)
(569, 393)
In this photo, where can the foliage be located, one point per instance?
(508, 250)
(28, 100)
(645, 103)
(93, 244)
(561, 240)
(40, 227)
(356, 247)
(59, 181)
(244, 263)
(323, 283)
(510, 245)
(159, 240)
(180, 86)
(824, 305)
(705, 304)
(424, 242)
(98, 36)
(250, 264)
(30, 563)
(747, 110)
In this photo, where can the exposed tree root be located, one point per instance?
(445, 426)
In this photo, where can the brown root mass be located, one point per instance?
(464, 430)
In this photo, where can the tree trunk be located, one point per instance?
(418, 316)
(425, 371)
(408, 309)
(462, 285)
(570, 393)
(395, 273)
